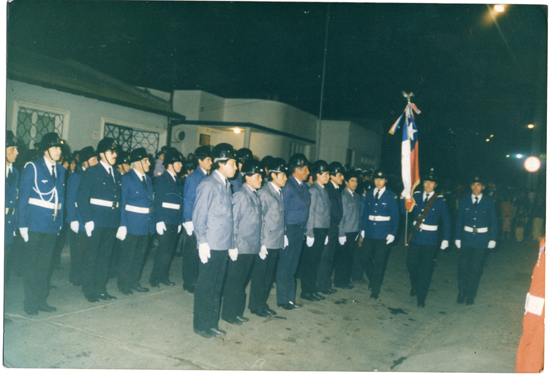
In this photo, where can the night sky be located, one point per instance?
(471, 77)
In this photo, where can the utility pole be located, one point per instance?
(318, 138)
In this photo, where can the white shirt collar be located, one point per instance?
(381, 190)
(172, 174)
(204, 171)
(428, 195)
(299, 182)
(317, 182)
(277, 189)
(139, 174)
(336, 186)
(351, 192)
(106, 166)
(478, 198)
(49, 164)
(250, 187)
(224, 179)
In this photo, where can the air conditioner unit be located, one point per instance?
(178, 136)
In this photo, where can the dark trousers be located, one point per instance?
(420, 263)
(310, 260)
(77, 247)
(261, 279)
(287, 265)
(164, 254)
(115, 257)
(97, 257)
(132, 252)
(234, 295)
(343, 260)
(206, 309)
(38, 257)
(374, 256)
(470, 267)
(326, 263)
(58, 248)
(190, 260)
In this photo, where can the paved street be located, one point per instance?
(347, 332)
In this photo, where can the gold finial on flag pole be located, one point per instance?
(408, 96)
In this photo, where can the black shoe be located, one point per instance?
(167, 282)
(413, 292)
(243, 319)
(154, 284)
(420, 304)
(469, 301)
(105, 296)
(270, 312)
(47, 308)
(92, 298)
(31, 312)
(318, 296)
(126, 291)
(309, 297)
(327, 291)
(189, 288)
(139, 288)
(289, 305)
(345, 286)
(261, 313)
(208, 334)
(234, 321)
(374, 295)
(217, 331)
(460, 298)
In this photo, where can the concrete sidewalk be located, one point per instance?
(347, 332)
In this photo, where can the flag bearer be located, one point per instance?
(12, 198)
(40, 220)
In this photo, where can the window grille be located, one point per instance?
(32, 124)
(129, 139)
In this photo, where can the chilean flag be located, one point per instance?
(409, 157)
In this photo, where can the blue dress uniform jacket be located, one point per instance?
(98, 184)
(190, 192)
(168, 197)
(297, 201)
(72, 188)
(319, 210)
(37, 178)
(136, 197)
(273, 217)
(213, 213)
(427, 236)
(484, 216)
(247, 221)
(385, 213)
(12, 196)
(351, 213)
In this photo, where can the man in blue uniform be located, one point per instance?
(379, 224)
(422, 248)
(297, 200)
(213, 224)
(98, 204)
(190, 256)
(40, 220)
(88, 159)
(476, 233)
(168, 209)
(136, 222)
(12, 197)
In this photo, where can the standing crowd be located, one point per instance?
(236, 221)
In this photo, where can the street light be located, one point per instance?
(530, 126)
(519, 156)
(499, 8)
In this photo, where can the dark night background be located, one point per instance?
(470, 80)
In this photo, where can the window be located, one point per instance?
(129, 139)
(33, 122)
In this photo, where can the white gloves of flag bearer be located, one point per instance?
(491, 245)
(457, 244)
(286, 242)
(309, 241)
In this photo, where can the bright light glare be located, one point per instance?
(487, 140)
(508, 155)
(532, 164)
(491, 136)
(237, 131)
(530, 126)
(519, 156)
(499, 8)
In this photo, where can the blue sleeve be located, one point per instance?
(125, 183)
(83, 196)
(72, 188)
(459, 220)
(394, 213)
(26, 184)
(159, 188)
(189, 196)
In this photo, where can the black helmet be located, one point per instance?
(243, 155)
(265, 162)
(123, 157)
(203, 152)
(351, 174)
(10, 139)
(189, 165)
(297, 161)
(319, 167)
(138, 154)
(277, 165)
(380, 174)
(107, 144)
(172, 156)
(335, 167)
(86, 154)
(430, 176)
(51, 140)
(223, 152)
(163, 150)
(251, 167)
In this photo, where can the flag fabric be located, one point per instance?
(409, 157)
(395, 125)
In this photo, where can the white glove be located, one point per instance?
(24, 234)
(233, 254)
(362, 234)
(74, 226)
(189, 228)
(161, 228)
(286, 242)
(204, 252)
(309, 241)
(491, 245)
(390, 239)
(342, 240)
(263, 252)
(121, 233)
(457, 244)
(326, 240)
(444, 244)
(89, 226)
(179, 228)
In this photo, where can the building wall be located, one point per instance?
(367, 146)
(334, 140)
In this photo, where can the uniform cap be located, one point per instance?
(51, 140)
(277, 165)
(430, 175)
(335, 167)
(223, 152)
(265, 162)
(172, 156)
(203, 152)
(351, 174)
(297, 160)
(123, 157)
(380, 174)
(319, 167)
(86, 153)
(10, 139)
(138, 154)
(477, 178)
(243, 155)
(107, 144)
(251, 167)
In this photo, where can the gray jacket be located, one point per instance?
(273, 217)
(319, 210)
(247, 223)
(351, 219)
(213, 213)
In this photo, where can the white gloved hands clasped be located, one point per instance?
(204, 252)
(233, 254)
(74, 226)
(390, 239)
(285, 242)
(342, 240)
(24, 234)
(444, 244)
(161, 228)
(309, 241)
(457, 244)
(263, 252)
(189, 227)
(89, 226)
(121, 233)
(491, 244)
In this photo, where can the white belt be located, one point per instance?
(173, 206)
(41, 203)
(428, 227)
(534, 304)
(379, 218)
(104, 203)
(476, 230)
(10, 211)
(138, 210)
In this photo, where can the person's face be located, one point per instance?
(352, 183)
(338, 179)
(92, 161)
(229, 168)
(323, 178)
(65, 165)
(109, 157)
(11, 154)
(429, 186)
(280, 179)
(301, 173)
(73, 166)
(177, 167)
(54, 153)
(126, 167)
(477, 188)
(145, 164)
(206, 163)
(380, 183)
(255, 181)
